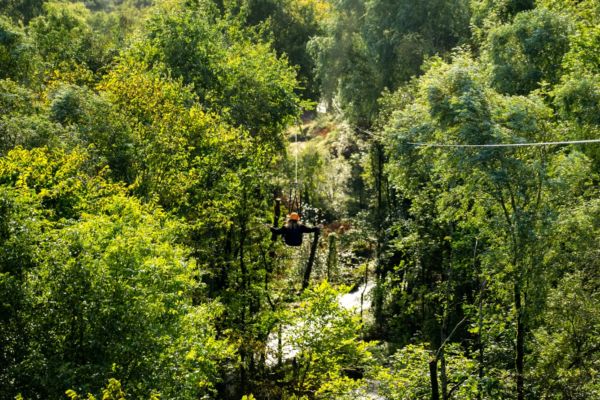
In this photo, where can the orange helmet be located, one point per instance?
(294, 216)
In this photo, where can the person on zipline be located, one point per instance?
(293, 230)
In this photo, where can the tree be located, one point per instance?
(326, 340)
(17, 56)
(93, 122)
(562, 361)
(106, 291)
(22, 10)
(231, 71)
(577, 97)
(73, 43)
(22, 122)
(373, 45)
(528, 51)
(291, 25)
(488, 14)
(502, 197)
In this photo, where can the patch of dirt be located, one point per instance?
(323, 132)
(339, 227)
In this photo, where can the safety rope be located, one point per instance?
(294, 199)
(296, 153)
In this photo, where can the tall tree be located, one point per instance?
(372, 45)
(232, 71)
(507, 196)
(528, 51)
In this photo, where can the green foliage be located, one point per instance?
(584, 11)
(112, 391)
(407, 376)
(488, 14)
(582, 56)
(528, 51)
(73, 43)
(231, 70)
(179, 149)
(576, 98)
(59, 180)
(16, 52)
(196, 360)
(327, 341)
(15, 98)
(140, 147)
(20, 228)
(106, 291)
(62, 34)
(108, 297)
(291, 25)
(505, 199)
(565, 359)
(373, 45)
(94, 123)
(21, 10)
(579, 99)
(342, 388)
(20, 122)
(28, 131)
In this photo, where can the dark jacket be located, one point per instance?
(292, 232)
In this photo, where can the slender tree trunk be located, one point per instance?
(379, 268)
(311, 261)
(443, 375)
(331, 257)
(243, 372)
(241, 255)
(520, 343)
(276, 215)
(435, 390)
(228, 255)
(481, 370)
(480, 346)
(520, 350)
(447, 261)
(279, 346)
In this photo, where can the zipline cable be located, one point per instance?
(529, 144)
(526, 144)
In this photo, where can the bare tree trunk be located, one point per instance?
(379, 267)
(276, 215)
(279, 346)
(331, 256)
(480, 345)
(243, 267)
(443, 375)
(311, 261)
(435, 390)
(520, 343)
(481, 367)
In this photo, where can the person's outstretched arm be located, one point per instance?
(306, 229)
(277, 231)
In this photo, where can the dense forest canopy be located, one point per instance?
(146, 146)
